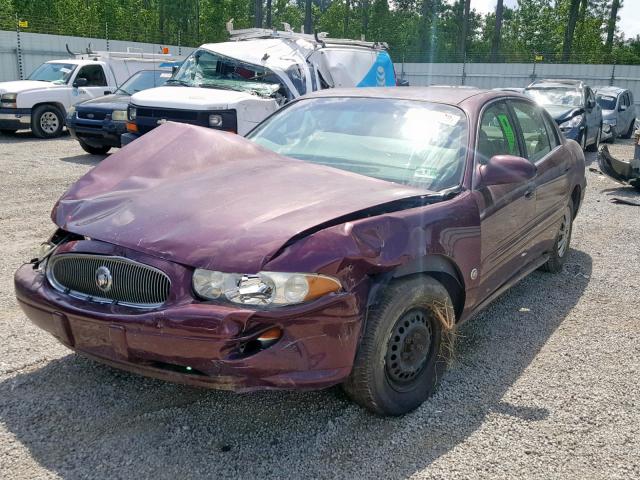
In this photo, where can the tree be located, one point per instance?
(308, 21)
(571, 26)
(464, 29)
(611, 26)
(497, 31)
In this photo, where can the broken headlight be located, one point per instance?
(572, 122)
(262, 288)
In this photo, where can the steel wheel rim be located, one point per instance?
(409, 348)
(563, 234)
(49, 122)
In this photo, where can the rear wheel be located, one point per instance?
(403, 350)
(596, 144)
(94, 150)
(47, 121)
(560, 249)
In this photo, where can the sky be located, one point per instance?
(629, 16)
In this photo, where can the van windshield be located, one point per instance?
(206, 69)
(606, 102)
(58, 73)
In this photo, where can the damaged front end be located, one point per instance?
(626, 172)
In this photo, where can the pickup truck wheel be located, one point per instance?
(560, 249)
(94, 150)
(596, 144)
(401, 354)
(7, 131)
(47, 122)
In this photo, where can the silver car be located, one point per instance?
(618, 112)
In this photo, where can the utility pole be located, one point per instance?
(19, 49)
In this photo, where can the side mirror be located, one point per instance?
(505, 169)
(80, 82)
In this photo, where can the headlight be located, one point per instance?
(8, 100)
(119, 115)
(572, 122)
(132, 113)
(263, 288)
(215, 121)
(71, 111)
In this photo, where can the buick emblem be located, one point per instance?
(103, 279)
(162, 121)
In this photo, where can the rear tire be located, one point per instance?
(563, 240)
(94, 150)
(404, 347)
(47, 121)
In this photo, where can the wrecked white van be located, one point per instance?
(234, 85)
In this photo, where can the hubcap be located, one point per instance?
(49, 122)
(408, 348)
(563, 234)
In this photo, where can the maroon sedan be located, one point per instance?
(340, 243)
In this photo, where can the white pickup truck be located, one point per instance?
(235, 85)
(41, 101)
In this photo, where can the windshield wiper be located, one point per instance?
(219, 87)
(175, 81)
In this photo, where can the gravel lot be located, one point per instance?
(544, 383)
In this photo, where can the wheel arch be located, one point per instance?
(58, 105)
(440, 267)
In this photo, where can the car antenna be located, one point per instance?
(69, 50)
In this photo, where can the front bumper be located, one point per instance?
(608, 131)
(316, 350)
(97, 133)
(15, 118)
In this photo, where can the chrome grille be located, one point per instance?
(130, 283)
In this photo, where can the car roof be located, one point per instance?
(451, 95)
(556, 82)
(610, 89)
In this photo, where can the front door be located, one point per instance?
(506, 211)
(96, 84)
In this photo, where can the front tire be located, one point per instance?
(560, 249)
(404, 347)
(94, 150)
(47, 121)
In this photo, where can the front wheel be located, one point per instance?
(404, 347)
(596, 144)
(94, 150)
(560, 249)
(47, 121)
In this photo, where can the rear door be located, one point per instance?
(628, 114)
(506, 211)
(545, 150)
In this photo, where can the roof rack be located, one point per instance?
(317, 38)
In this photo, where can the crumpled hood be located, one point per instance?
(24, 85)
(211, 199)
(561, 113)
(190, 98)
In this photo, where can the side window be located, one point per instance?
(534, 132)
(626, 100)
(552, 131)
(496, 135)
(94, 75)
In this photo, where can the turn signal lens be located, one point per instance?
(270, 336)
(132, 127)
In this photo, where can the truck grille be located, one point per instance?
(91, 115)
(108, 279)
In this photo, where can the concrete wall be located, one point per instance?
(492, 75)
(37, 48)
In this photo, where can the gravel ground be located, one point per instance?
(544, 383)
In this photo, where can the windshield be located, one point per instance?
(413, 143)
(58, 73)
(206, 69)
(569, 97)
(606, 102)
(143, 80)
